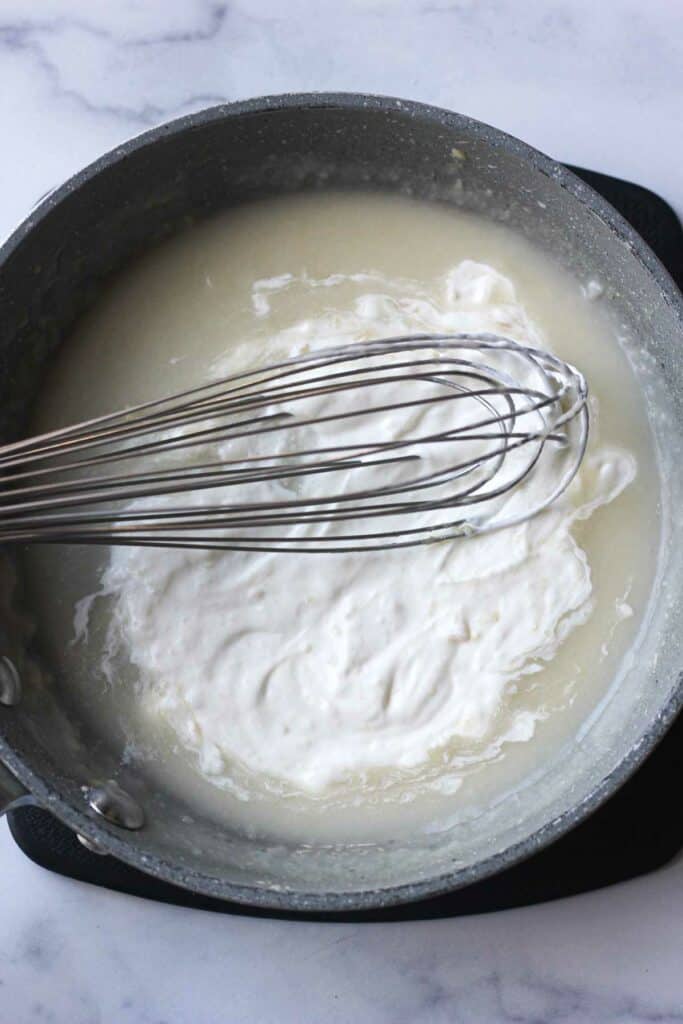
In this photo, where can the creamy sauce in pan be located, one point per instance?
(351, 696)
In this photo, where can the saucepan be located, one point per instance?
(54, 266)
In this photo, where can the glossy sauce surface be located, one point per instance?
(266, 279)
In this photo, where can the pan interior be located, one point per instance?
(61, 732)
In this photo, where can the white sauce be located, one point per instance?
(312, 670)
(341, 697)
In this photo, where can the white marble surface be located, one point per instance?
(598, 84)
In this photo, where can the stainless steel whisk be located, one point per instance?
(80, 484)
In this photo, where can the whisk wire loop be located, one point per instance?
(95, 482)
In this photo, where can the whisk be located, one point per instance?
(136, 476)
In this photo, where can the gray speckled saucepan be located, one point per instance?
(54, 266)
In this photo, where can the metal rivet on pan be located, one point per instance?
(10, 682)
(117, 806)
(91, 844)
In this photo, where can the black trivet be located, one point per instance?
(633, 833)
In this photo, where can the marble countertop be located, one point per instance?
(598, 85)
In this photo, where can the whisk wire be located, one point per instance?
(50, 483)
